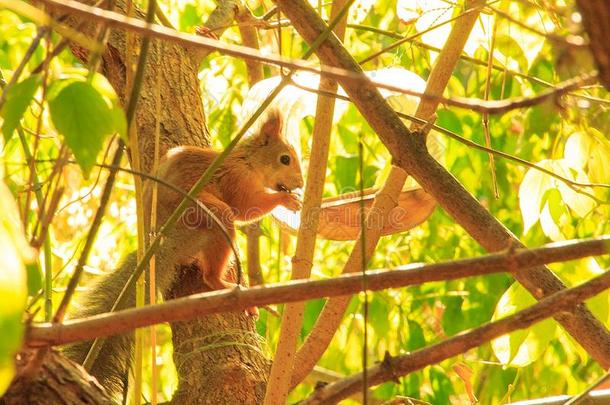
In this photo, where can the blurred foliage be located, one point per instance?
(568, 136)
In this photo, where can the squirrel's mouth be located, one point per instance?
(282, 187)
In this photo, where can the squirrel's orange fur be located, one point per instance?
(255, 177)
(252, 180)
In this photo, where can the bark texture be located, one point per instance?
(217, 356)
(58, 381)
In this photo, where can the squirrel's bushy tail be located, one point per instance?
(111, 364)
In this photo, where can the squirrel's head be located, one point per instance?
(274, 158)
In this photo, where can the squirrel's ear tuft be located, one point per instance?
(272, 124)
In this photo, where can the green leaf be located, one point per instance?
(510, 48)
(34, 277)
(416, 336)
(441, 386)
(349, 140)
(346, 171)
(522, 347)
(379, 316)
(82, 116)
(189, 17)
(18, 99)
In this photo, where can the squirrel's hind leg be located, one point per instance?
(216, 251)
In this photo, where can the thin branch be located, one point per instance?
(577, 186)
(42, 334)
(158, 31)
(571, 41)
(583, 396)
(485, 118)
(95, 225)
(205, 177)
(292, 317)
(401, 41)
(42, 31)
(130, 113)
(392, 367)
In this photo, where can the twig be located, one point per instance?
(582, 397)
(571, 41)
(157, 31)
(300, 290)
(130, 114)
(476, 10)
(485, 118)
(42, 31)
(97, 220)
(577, 186)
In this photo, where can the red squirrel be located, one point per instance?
(257, 176)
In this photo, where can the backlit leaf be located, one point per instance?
(83, 117)
(522, 347)
(18, 99)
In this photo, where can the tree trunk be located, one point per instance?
(219, 358)
(58, 381)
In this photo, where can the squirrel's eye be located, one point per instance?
(285, 160)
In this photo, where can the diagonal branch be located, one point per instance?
(410, 154)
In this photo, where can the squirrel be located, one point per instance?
(259, 174)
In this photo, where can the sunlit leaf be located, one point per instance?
(536, 184)
(589, 151)
(81, 114)
(18, 99)
(531, 192)
(553, 215)
(522, 347)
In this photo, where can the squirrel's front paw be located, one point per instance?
(291, 201)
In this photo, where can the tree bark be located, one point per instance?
(57, 381)
(214, 352)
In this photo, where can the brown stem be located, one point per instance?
(332, 314)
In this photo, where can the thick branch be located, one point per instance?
(301, 290)
(409, 153)
(392, 367)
